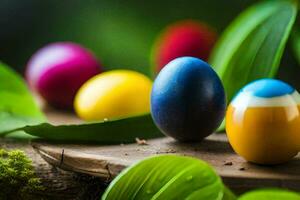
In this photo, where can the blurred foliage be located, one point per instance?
(296, 43)
(120, 33)
(17, 106)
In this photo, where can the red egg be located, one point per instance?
(183, 38)
(58, 70)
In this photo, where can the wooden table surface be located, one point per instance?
(107, 161)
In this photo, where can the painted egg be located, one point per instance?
(58, 70)
(263, 122)
(182, 38)
(187, 100)
(113, 94)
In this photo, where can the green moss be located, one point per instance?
(17, 177)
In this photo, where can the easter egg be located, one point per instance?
(183, 38)
(113, 94)
(263, 122)
(58, 70)
(187, 100)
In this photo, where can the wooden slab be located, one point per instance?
(108, 161)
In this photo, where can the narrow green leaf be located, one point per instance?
(20, 135)
(168, 177)
(252, 46)
(17, 106)
(21, 118)
(267, 194)
(107, 132)
(296, 43)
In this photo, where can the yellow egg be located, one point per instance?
(113, 94)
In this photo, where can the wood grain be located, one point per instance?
(107, 161)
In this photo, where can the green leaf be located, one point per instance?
(20, 135)
(296, 43)
(17, 106)
(168, 177)
(253, 44)
(107, 132)
(228, 194)
(267, 194)
(19, 114)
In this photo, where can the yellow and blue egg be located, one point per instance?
(263, 122)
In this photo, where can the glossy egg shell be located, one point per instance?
(183, 38)
(187, 99)
(58, 70)
(263, 122)
(113, 94)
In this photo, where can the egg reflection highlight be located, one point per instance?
(263, 122)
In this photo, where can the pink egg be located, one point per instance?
(58, 70)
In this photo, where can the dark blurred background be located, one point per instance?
(120, 33)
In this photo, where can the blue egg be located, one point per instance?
(188, 99)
